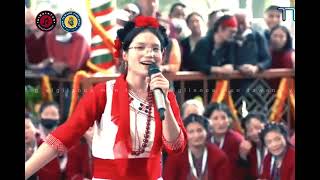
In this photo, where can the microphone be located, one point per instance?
(157, 93)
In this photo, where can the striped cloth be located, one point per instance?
(101, 51)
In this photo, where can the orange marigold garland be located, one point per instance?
(107, 40)
(292, 98)
(220, 91)
(75, 88)
(46, 88)
(278, 104)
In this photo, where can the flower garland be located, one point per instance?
(75, 88)
(106, 39)
(46, 92)
(284, 91)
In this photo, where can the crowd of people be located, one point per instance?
(214, 150)
(115, 132)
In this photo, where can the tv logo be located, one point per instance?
(284, 12)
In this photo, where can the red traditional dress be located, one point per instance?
(230, 144)
(213, 165)
(287, 169)
(73, 165)
(252, 167)
(121, 121)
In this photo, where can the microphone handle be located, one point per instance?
(160, 102)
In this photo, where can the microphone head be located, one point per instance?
(153, 69)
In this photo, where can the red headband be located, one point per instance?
(230, 22)
(145, 21)
(117, 46)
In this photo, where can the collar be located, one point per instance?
(64, 38)
(204, 162)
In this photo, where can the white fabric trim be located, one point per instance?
(259, 160)
(104, 134)
(271, 164)
(204, 162)
(221, 143)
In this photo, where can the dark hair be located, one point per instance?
(176, 5)
(219, 22)
(45, 104)
(258, 115)
(272, 8)
(192, 14)
(217, 107)
(273, 126)
(196, 118)
(288, 45)
(129, 31)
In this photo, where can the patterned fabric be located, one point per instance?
(103, 26)
(90, 112)
(176, 144)
(56, 144)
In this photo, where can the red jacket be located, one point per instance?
(287, 170)
(77, 166)
(231, 145)
(280, 60)
(250, 166)
(177, 166)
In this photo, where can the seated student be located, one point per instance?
(30, 140)
(71, 165)
(200, 160)
(279, 164)
(220, 119)
(251, 151)
(192, 106)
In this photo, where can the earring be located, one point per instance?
(126, 65)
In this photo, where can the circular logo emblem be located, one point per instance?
(46, 21)
(70, 21)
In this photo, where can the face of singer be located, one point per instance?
(196, 134)
(29, 131)
(275, 142)
(144, 49)
(253, 129)
(219, 122)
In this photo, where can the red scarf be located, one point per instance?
(120, 114)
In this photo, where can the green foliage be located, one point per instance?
(32, 96)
